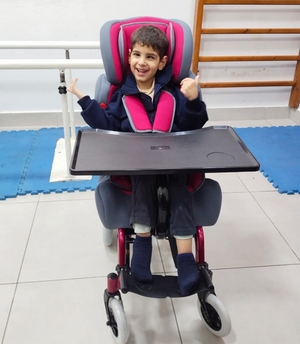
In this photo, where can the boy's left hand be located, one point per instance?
(189, 87)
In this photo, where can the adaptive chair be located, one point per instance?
(113, 197)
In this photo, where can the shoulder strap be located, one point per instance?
(165, 113)
(139, 119)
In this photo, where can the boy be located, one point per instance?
(150, 78)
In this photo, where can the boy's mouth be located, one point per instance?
(141, 70)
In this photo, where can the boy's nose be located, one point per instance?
(142, 60)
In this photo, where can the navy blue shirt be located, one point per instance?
(189, 115)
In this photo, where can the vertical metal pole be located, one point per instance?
(62, 89)
(70, 99)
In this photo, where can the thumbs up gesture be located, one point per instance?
(189, 87)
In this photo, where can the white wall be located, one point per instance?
(62, 20)
(43, 20)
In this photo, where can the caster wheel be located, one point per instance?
(119, 326)
(108, 236)
(215, 317)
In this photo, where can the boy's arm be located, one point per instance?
(191, 112)
(95, 116)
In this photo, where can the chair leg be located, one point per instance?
(121, 246)
(199, 245)
(124, 241)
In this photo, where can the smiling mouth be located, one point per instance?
(141, 70)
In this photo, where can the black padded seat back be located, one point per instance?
(207, 203)
(114, 205)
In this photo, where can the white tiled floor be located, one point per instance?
(54, 266)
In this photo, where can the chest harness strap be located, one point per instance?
(139, 119)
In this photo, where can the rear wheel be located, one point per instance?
(108, 236)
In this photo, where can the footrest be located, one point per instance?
(162, 287)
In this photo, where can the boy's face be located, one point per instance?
(144, 63)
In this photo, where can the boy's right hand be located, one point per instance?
(72, 87)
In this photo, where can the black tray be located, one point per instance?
(211, 149)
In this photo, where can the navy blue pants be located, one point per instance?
(144, 203)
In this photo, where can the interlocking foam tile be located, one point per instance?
(39, 167)
(278, 151)
(25, 164)
(15, 149)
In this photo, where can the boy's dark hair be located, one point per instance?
(152, 37)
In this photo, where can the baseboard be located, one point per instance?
(45, 119)
(35, 120)
(295, 116)
(248, 113)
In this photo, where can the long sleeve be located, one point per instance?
(191, 115)
(97, 117)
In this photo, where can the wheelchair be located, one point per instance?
(114, 193)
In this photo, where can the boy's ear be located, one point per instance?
(163, 62)
(129, 53)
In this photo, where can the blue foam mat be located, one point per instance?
(14, 151)
(25, 164)
(278, 151)
(26, 159)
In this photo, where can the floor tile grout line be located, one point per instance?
(255, 267)
(27, 243)
(166, 272)
(9, 313)
(255, 200)
(62, 279)
(176, 320)
(277, 229)
(19, 274)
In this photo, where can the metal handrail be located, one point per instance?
(49, 45)
(62, 65)
(51, 64)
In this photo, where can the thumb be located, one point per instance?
(197, 78)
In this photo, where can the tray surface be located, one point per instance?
(211, 149)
